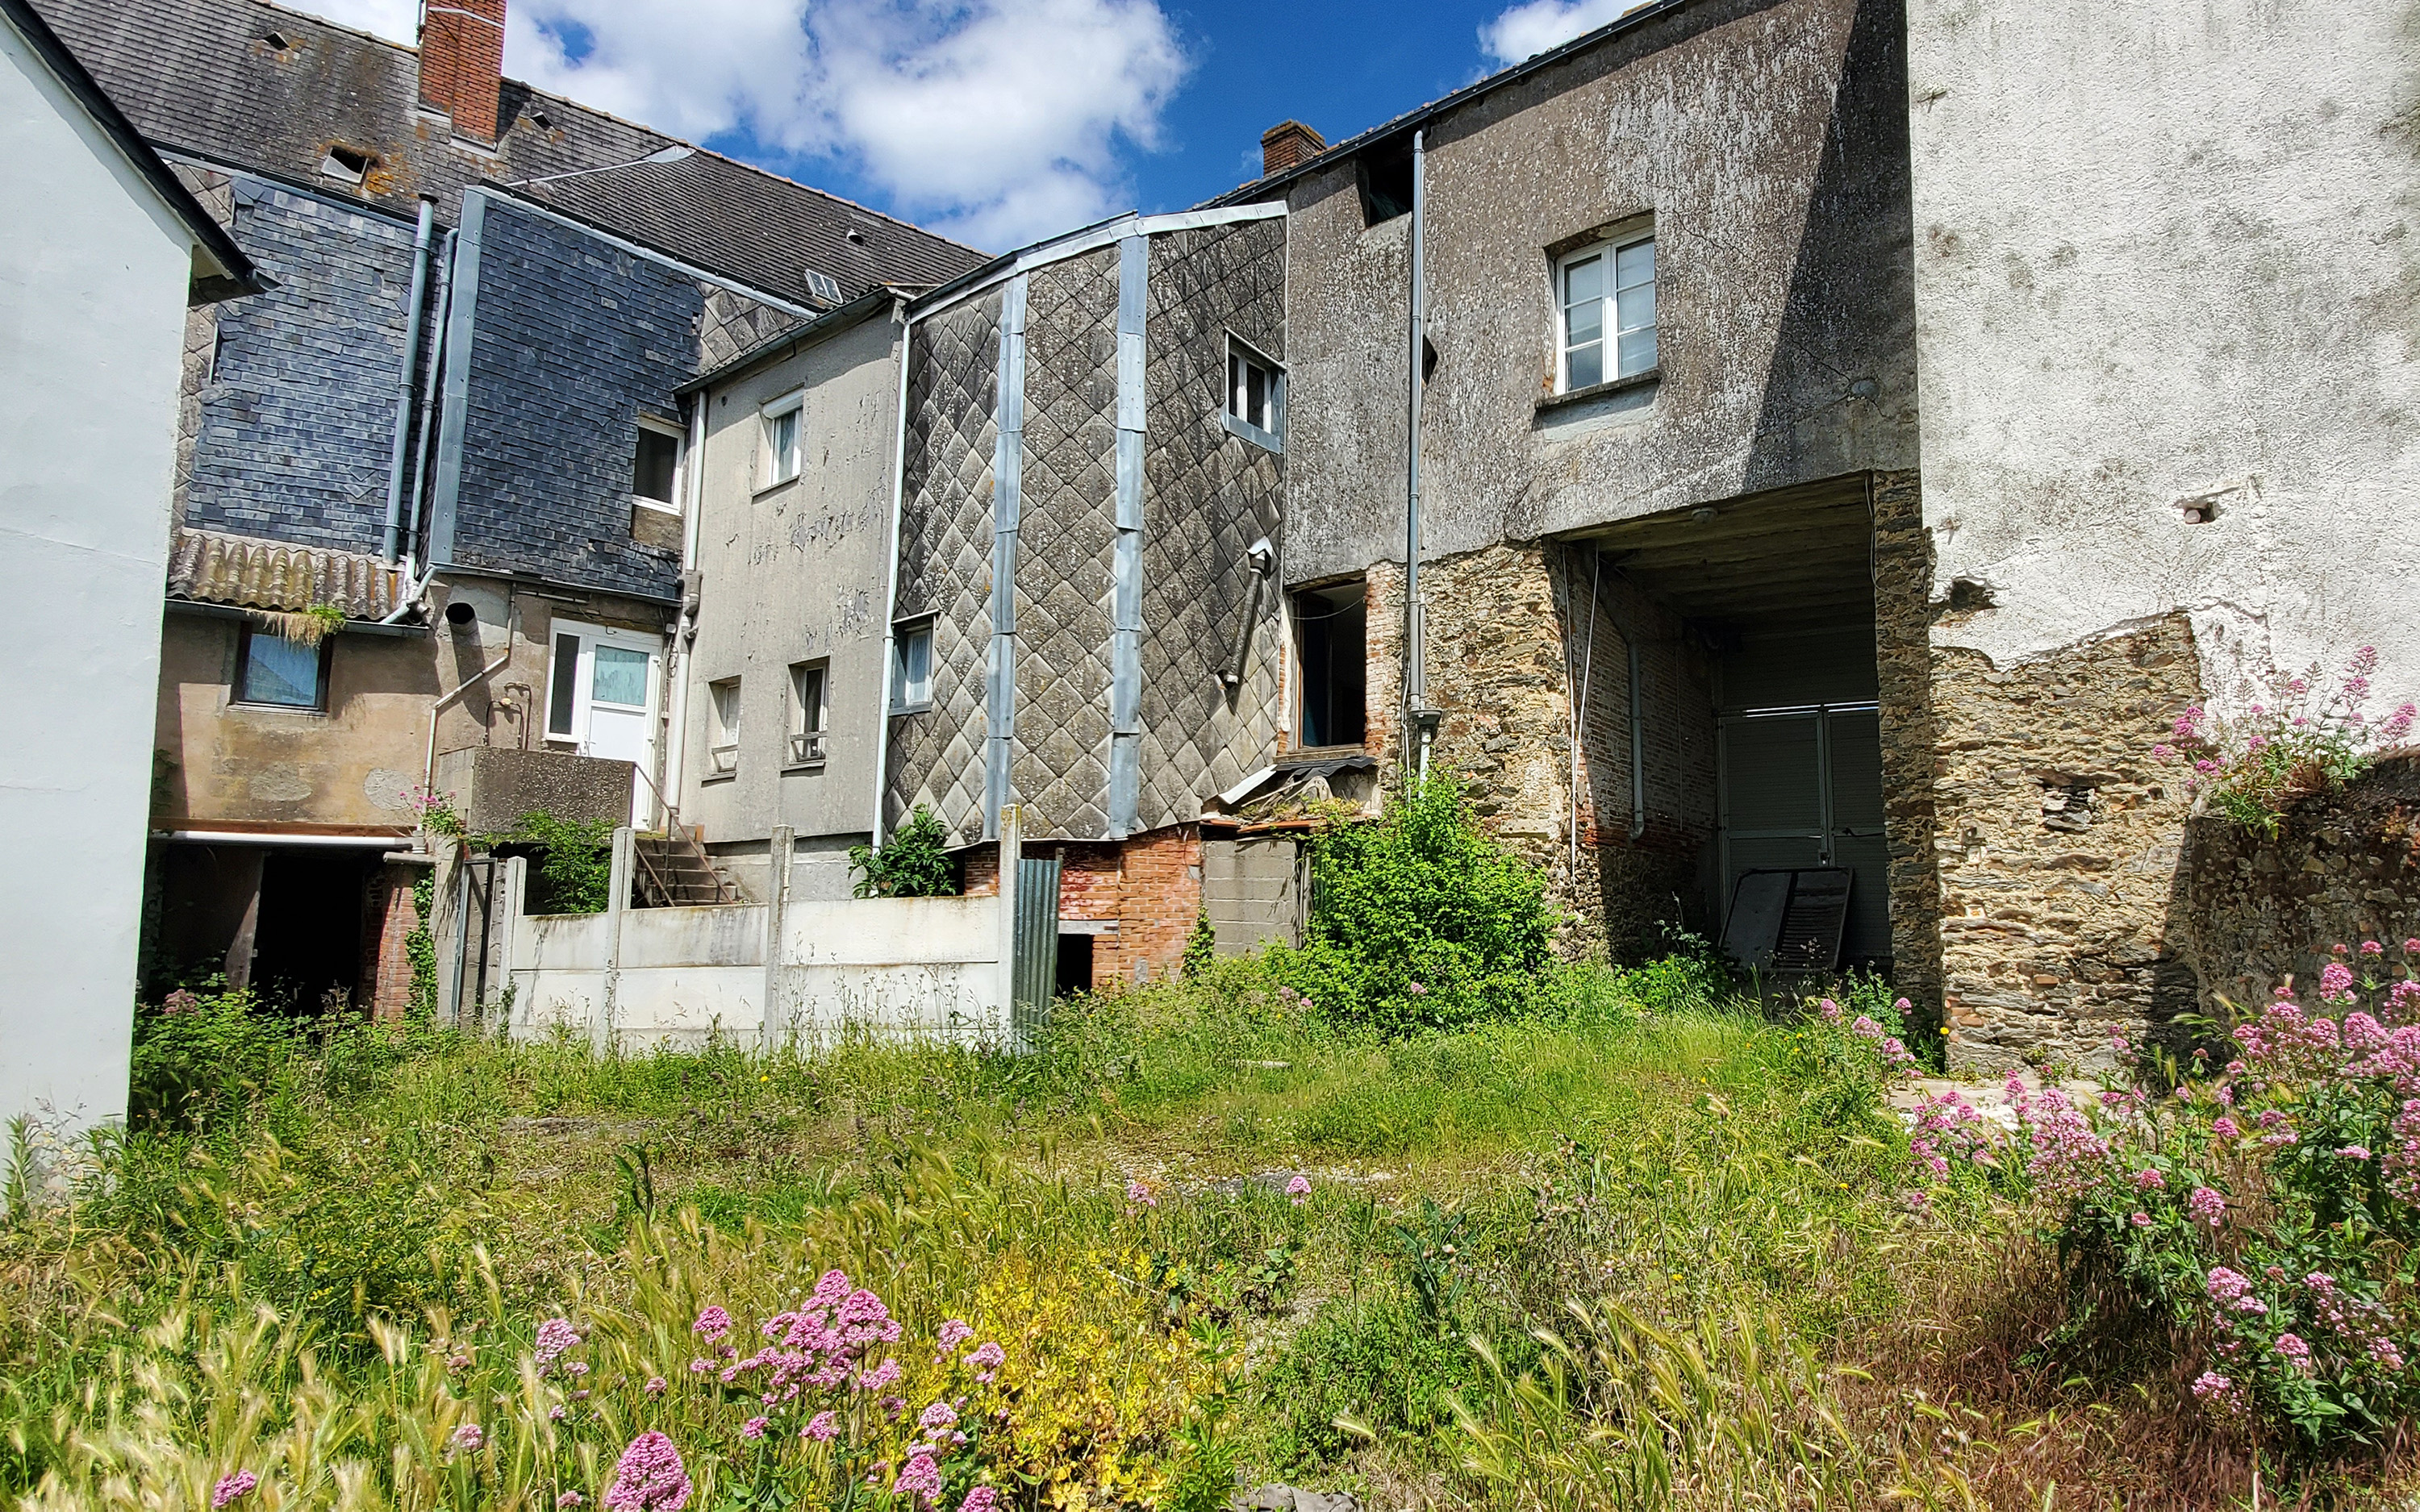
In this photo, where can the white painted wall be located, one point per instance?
(2168, 250)
(94, 270)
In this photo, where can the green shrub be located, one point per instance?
(571, 868)
(914, 862)
(1419, 920)
(201, 1062)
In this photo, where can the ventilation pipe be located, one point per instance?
(402, 449)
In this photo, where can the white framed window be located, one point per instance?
(1606, 312)
(655, 465)
(783, 421)
(911, 667)
(807, 682)
(723, 727)
(1255, 395)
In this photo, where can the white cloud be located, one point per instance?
(998, 121)
(1530, 28)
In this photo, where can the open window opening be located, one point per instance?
(780, 447)
(346, 165)
(655, 465)
(807, 680)
(911, 667)
(1332, 654)
(1385, 173)
(723, 727)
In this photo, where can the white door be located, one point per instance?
(601, 696)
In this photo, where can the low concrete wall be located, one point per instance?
(2345, 867)
(637, 977)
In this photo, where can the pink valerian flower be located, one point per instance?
(700, 1366)
(656, 1385)
(712, 1323)
(753, 1428)
(879, 1376)
(1865, 1029)
(2383, 1351)
(937, 1417)
(649, 1477)
(821, 1427)
(982, 1499)
(555, 1335)
(988, 1359)
(568, 1500)
(2207, 1206)
(2295, 1351)
(1140, 1193)
(1298, 1190)
(1830, 1010)
(1419, 991)
(2141, 1220)
(2211, 1383)
(2148, 1178)
(2233, 1291)
(955, 1332)
(467, 1439)
(920, 1478)
(2353, 1153)
(2336, 983)
(2225, 1127)
(2372, 947)
(232, 1487)
(557, 1412)
(2067, 1154)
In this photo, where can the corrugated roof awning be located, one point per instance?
(212, 568)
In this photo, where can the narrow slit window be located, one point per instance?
(912, 668)
(1255, 395)
(1606, 296)
(563, 690)
(807, 714)
(1332, 655)
(722, 733)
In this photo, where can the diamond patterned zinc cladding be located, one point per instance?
(1208, 495)
(945, 557)
(1065, 532)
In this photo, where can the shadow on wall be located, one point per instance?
(2251, 913)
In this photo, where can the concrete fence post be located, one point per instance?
(776, 1020)
(617, 902)
(449, 930)
(511, 901)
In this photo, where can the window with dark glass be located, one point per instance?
(1332, 655)
(284, 673)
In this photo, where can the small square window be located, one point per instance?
(281, 673)
(347, 165)
(807, 714)
(723, 727)
(1255, 395)
(1605, 296)
(912, 668)
(655, 463)
(782, 420)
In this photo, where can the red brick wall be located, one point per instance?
(1150, 886)
(462, 63)
(388, 919)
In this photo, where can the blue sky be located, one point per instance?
(1003, 121)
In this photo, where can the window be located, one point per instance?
(911, 667)
(807, 714)
(654, 464)
(348, 165)
(1384, 177)
(1331, 648)
(1607, 299)
(723, 727)
(782, 418)
(281, 673)
(822, 287)
(1255, 395)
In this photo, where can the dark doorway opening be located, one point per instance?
(1332, 648)
(1075, 965)
(284, 921)
(308, 947)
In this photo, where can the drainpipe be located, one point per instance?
(1416, 679)
(890, 594)
(420, 240)
(684, 638)
(428, 430)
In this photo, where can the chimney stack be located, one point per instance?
(1289, 145)
(462, 63)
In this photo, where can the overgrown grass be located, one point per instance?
(1763, 1319)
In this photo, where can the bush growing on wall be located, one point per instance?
(571, 863)
(1419, 920)
(913, 863)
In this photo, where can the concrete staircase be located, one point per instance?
(674, 870)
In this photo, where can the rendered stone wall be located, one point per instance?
(1903, 667)
(2343, 868)
(2058, 835)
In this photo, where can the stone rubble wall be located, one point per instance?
(1903, 667)
(2344, 867)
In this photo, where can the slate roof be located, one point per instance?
(204, 77)
(212, 568)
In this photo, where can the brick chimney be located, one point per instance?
(1289, 145)
(463, 62)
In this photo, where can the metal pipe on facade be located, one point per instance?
(404, 376)
(693, 500)
(890, 594)
(1415, 689)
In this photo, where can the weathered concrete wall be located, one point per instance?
(796, 573)
(2058, 835)
(2344, 867)
(94, 270)
(2174, 238)
(494, 785)
(1253, 889)
(1768, 141)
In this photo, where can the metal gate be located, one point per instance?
(1034, 974)
(1800, 788)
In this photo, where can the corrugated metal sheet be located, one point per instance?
(212, 568)
(1034, 974)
